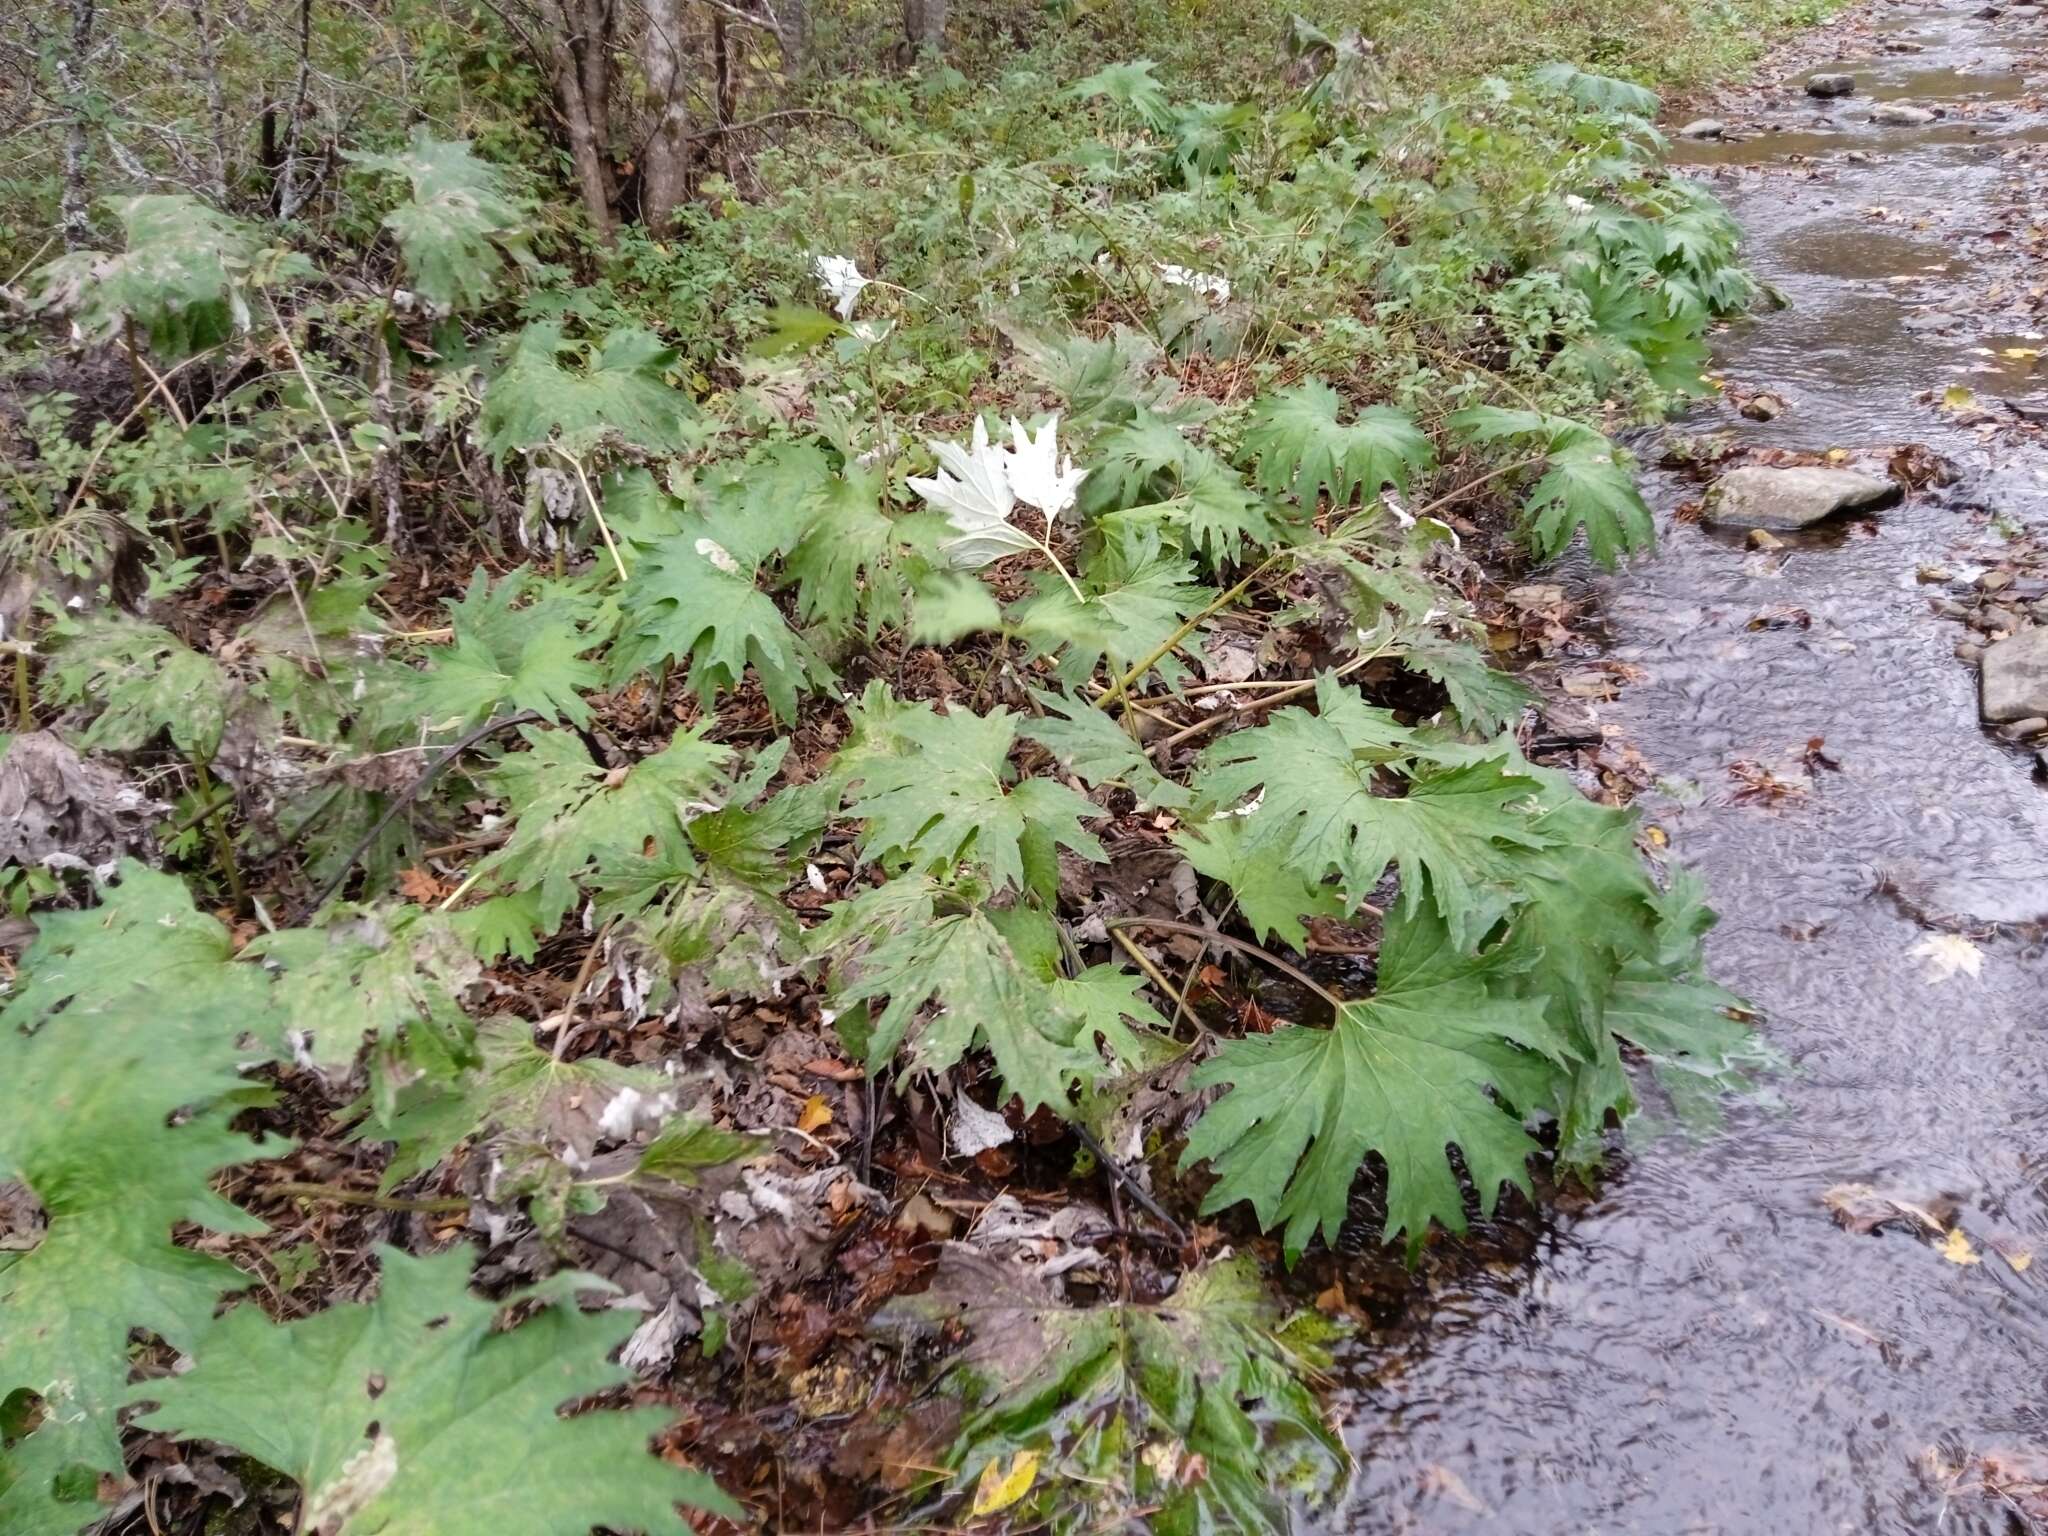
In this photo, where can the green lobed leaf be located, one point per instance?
(1435, 1056)
(392, 1415)
(461, 225)
(934, 790)
(615, 394)
(1324, 806)
(572, 813)
(1300, 447)
(119, 1056)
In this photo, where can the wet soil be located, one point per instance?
(1699, 1347)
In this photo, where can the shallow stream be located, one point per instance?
(1699, 1347)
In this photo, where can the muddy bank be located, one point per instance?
(1701, 1346)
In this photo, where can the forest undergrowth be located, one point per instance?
(821, 835)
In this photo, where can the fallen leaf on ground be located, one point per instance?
(1001, 1486)
(816, 1113)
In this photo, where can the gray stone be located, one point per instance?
(2014, 681)
(1831, 85)
(1703, 128)
(1757, 496)
(1899, 114)
(2020, 730)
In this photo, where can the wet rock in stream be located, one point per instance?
(1704, 128)
(1760, 496)
(2014, 683)
(1831, 85)
(1900, 114)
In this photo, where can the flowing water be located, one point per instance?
(1698, 1347)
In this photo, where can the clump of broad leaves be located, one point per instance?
(756, 570)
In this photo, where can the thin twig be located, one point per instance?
(1242, 946)
(1137, 1191)
(334, 1192)
(409, 794)
(596, 511)
(1152, 973)
(769, 117)
(565, 1027)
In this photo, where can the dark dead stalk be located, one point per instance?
(406, 796)
(1242, 946)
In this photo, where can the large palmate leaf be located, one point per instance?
(461, 224)
(1191, 1415)
(1132, 86)
(1300, 446)
(1090, 744)
(1484, 698)
(1325, 806)
(612, 395)
(1102, 998)
(1592, 934)
(572, 813)
(1149, 463)
(1273, 894)
(1434, 1057)
(1596, 93)
(1589, 487)
(184, 280)
(721, 914)
(392, 1416)
(118, 1057)
(842, 566)
(393, 979)
(140, 680)
(1586, 482)
(691, 600)
(984, 995)
(1133, 597)
(933, 790)
(519, 644)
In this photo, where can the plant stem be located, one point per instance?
(598, 512)
(446, 1206)
(1223, 600)
(24, 711)
(1243, 947)
(223, 844)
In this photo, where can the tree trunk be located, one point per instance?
(665, 162)
(792, 34)
(584, 119)
(77, 196)
(216, 106)
(924, 25)
(291, 194)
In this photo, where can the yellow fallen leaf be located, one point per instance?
(1957, 1250)
(816, 1112)
(1838, 455)
(1000, 1488)
(2020, 354)
(1958, 398)
(2020, 1261)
